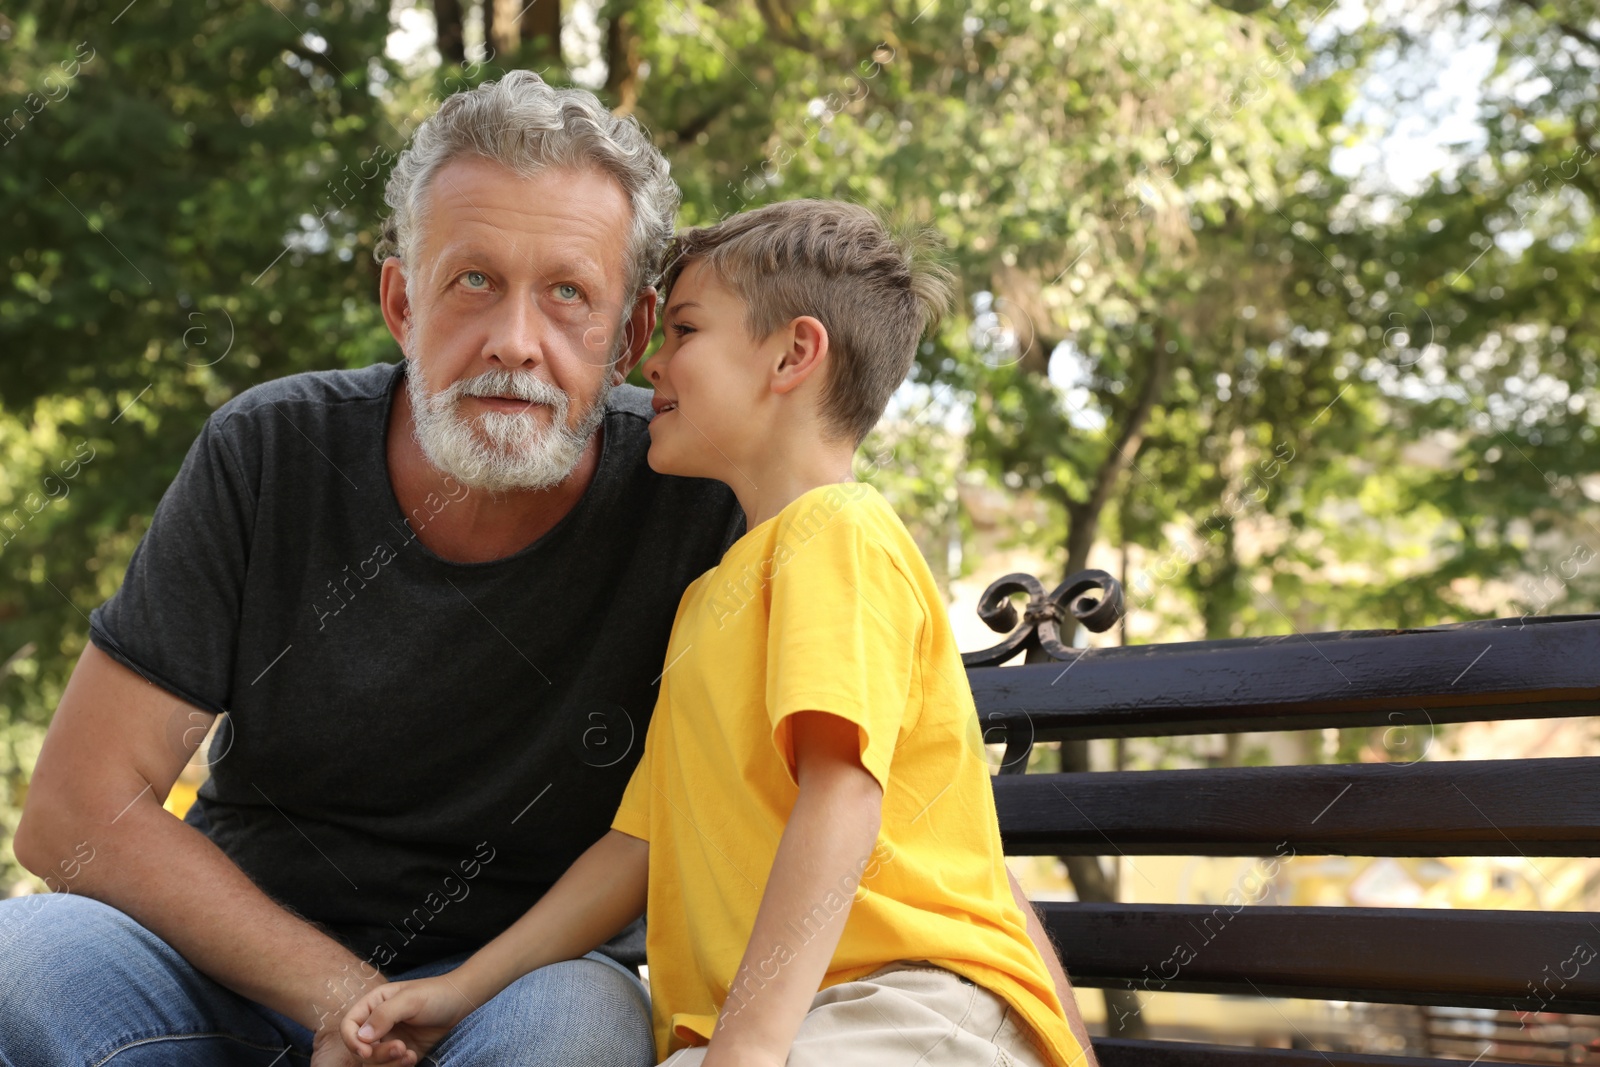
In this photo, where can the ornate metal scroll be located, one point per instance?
(1041, 617)
(1038, 631)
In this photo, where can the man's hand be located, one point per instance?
(399, 1022)
(328, 1050)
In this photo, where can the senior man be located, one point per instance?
(431, 599)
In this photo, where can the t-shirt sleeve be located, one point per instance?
(175, 619)
(633, 814)
(843, 637)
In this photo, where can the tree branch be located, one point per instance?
(781, 26)
(1083, 517)
(693, 128)
(1567, 28)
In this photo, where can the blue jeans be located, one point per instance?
(82, 984)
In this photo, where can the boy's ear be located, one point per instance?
(805, 352)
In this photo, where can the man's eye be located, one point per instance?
(568, 292)
(475, 278)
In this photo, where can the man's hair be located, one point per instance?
(877, 292)
(528, 126)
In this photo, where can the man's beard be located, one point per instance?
(501, 450)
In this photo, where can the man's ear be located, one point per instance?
(637, 331)
(805, 352)
(392, 297)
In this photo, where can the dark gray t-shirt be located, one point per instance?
(414, 749)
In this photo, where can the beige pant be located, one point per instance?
(905, 1015)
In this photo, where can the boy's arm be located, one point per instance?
(1052, 962)
(602, 892)
(599, 895)
(829, 837)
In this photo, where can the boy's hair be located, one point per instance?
(876, 292)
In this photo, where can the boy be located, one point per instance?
(812, 810)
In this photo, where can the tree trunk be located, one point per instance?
(1122, 576)
(1123, 1018)
(541, 31)
(1083, 516)
(622, 60)
(1092, 885)
(1221, 586)
(1089, 880)
(452, 43)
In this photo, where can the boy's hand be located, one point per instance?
(399, 1022)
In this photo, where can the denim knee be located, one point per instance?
(81, 983)
(55, 944)
(582, 1013)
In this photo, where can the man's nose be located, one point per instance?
(520, 333)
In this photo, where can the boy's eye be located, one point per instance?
(680, 329)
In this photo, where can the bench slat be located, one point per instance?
(1120, 1052)
(1535, 807)
(1506, 669)
(1513, 960)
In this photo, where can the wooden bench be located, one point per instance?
(1514, 961)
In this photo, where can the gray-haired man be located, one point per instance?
(432, 599)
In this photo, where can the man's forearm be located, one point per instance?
(177, 884)
(1052, 962)
(108, 761)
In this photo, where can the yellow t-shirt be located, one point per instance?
(827, 606)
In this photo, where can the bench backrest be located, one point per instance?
(1411, 680)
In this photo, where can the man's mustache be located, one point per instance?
(525, 386)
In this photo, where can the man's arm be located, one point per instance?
(1052, 962)
(825, 845)
(112, 753)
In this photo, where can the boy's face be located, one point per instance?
(710, 378)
